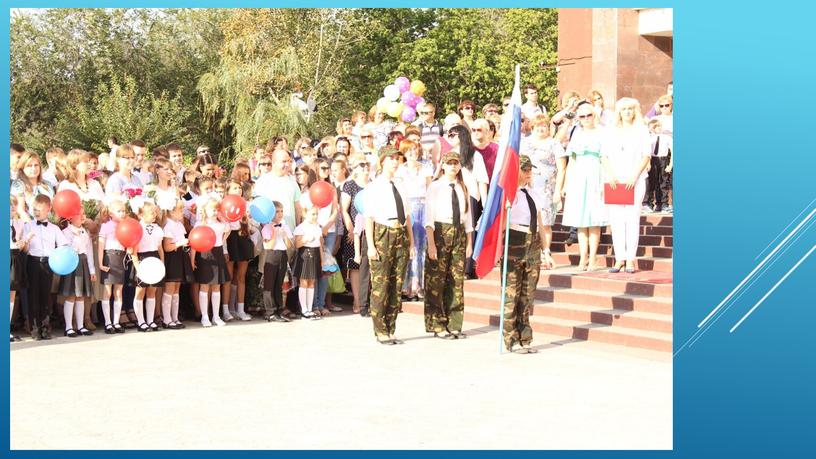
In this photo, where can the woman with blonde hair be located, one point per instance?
(584, 206)
(29, 184)
(625, 155)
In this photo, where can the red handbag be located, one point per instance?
(620, 195)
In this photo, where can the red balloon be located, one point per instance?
(202, 239)
(233, 207)
(129, 232)
(67, 204)
(322, 193)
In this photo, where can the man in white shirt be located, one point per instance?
(278, 185)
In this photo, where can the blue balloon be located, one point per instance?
(262, 210)
(359, 202)
(63, 261)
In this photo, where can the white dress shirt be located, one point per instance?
(380, 203)
(439, 206)
(80, 241)
(45, 238)
(520, 212)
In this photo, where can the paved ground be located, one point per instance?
(328, 384)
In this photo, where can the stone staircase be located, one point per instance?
(630, 310)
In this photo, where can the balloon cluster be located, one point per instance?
(400, 99)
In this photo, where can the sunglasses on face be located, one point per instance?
(366, 136)
(362, 166)
(584, 117)
(265, 164)
(425, 113)
(203, 151)
(491, 112)
(467, 108)
(665, 106)
(477, 130)
(506, 105)
(325, 168)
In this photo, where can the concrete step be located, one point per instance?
(646, 219)
(492, 283)
(618, 317)
(575, 329)
(606, 249)
(644, 230)
(601, 300)
(642, 264)
(606, 238)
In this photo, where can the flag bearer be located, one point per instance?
(523, 261)
(449, 229)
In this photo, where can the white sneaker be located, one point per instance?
(217, 321)
(205, 322)
(228, 317)
(244, 316)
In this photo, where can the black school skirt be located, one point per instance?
(134, 278)
(115, 260)
(78, 283)
(307, 263)
(240, 248)
(17, 271)
(211, 267)
(177, 267)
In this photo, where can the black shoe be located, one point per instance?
(85, 332)
(71, 333)
(46, 334)
(572, 239)
(154, 326)
(118, 328)
(109, 330)
(144, 328)
(282, 318)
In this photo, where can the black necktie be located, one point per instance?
(657, 146)
(42, 223)
(533, 212)
(278, 225)
(455, 206)
(400, 208)
(137, 169)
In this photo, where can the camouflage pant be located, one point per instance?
(523, 263)
(387, 275)
(444, 280)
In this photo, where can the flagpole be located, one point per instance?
(504, 277)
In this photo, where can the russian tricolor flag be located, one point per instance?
(489, 245)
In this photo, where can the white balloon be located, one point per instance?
(150, 270)
(391, 92)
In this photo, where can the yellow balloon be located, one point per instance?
(382, 104)
(395, 108)
(418, 87)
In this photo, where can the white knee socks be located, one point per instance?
(150, 306)
(166, 301)
(138, 308)
(68, 312)
(204, 305)
(79, 314)
(306, 297)
(117, 311)
(174, 305)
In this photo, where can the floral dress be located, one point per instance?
(543, 154)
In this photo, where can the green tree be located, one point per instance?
(121, 109)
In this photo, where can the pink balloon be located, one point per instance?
(408, 114)
(409, 99)
(403, 84)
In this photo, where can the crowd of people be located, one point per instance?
(408, 198)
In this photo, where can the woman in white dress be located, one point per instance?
(584, 206)
(625, 156)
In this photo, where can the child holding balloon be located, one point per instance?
(77, 287)
(150, 246)
(43, 237)
(210, 267)
(112, 266)
(277, 237)
(241, 250)
(177, 266)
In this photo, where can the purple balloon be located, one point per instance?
(420, 100)
(403, 84)
(408, 114)
(409, 99)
